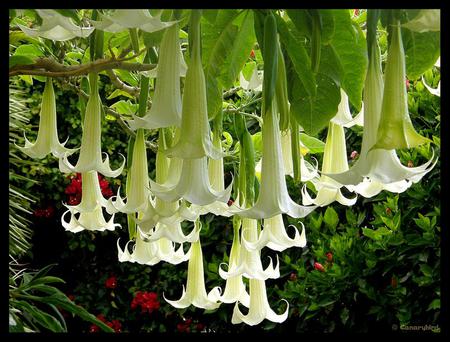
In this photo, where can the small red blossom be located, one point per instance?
(47, 212)
(407, 84)
(329, 256)
(184, 326)
(388, 211)
(111, 282)
(293, 276)
(318, 266)
(94, 328)
(354, 155)
(252, 54)
(148, 301)
(200, 326)
(355, 12)
(116, 325)
(71, 297)
(230, 202)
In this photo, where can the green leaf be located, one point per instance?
(210, 15)
(327, 33)
(421, 51)
(119, 92)
(42, 318)
(295, 47)
(314, 112)
(349, 45)
(331, 218)
(435, 304)
(20, 60)
(270, 56)
(125, 107)
(314, 145)
(302, 21)
(240, 50)
(426, 270)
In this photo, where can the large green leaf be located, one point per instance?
(217, 38)
(294, 44)
(421, 51)
(240, 50)
(314, 112)
(349, 45)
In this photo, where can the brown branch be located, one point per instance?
(134, 91)
(51, 68)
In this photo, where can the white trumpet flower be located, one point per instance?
(395, 128)
(273, 196)
(193, 185)
(166, 106)
(195, 292)
(275, 237)
(47, 140)
(90, 157)
(195, 134)
(56, 27)
(90, 209)
(139, 189)
(435, 92)
(172, 231)
(216, 178)
(249, 264)
(344, 117)
(235, 287)
(152, 252)
(334, 161)
(255, 82)
(123, 19)
(259, 308)
(380, 169)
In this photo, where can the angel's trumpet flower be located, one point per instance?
(56, 27)
(90, 209)
(90, 158)
(152, 252)
(47, 140)
(235, 287)
(273, 196)
(195, 292)
(395, 129)
(255, 82)
(334, 160)
(123, 19)
(195, 138)
(139, 189)
(379, 169)
(216, 178)
(434, 91)
(259, 308)
(275, 237)
(166, 106)
(249, 264)
(193, 185)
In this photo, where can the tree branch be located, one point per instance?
(134, 91)
(51, 68)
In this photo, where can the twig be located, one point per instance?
(51, 68)
(231, 92)
(134, 91)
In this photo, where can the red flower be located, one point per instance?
(407, 84)
(293, 276)
(71, 297)
(148, 301)
(94, 328)
(354, 155)
(116, 325)
(101, 317)
(329, 256)
(200, 326)
(318, 266)
(230, 202)
(111, 282)
(252, 54)
(355, 12)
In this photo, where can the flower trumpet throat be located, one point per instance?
(47, 140)
(396, 129)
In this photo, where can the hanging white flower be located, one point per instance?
(47, 140)
(56, 27)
